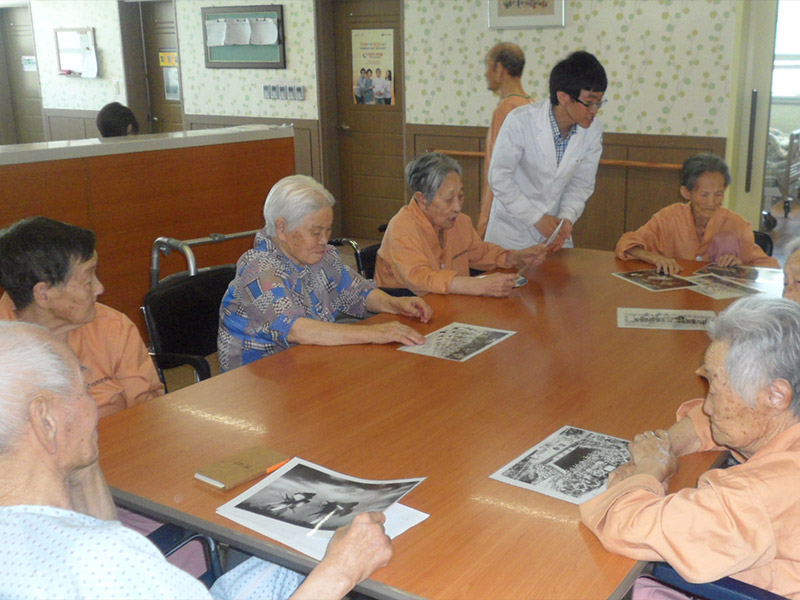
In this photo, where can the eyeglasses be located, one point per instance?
(595, 105)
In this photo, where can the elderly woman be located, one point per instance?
(791, 272)
(739, 521)
(430, 246)
(291, 286)
(700, 229)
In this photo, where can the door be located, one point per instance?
(161, 58)
(22, 124)
(368, 34)
(746, 146)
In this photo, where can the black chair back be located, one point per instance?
(764, 241)
(182, 311)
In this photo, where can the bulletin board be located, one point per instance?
(244, 37)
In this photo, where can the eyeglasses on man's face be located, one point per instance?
(595, 105)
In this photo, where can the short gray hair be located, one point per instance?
(294, 198)
(30, 363)
(426, 173)
(701, 164)
(763, 337)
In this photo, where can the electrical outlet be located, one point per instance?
(266, 91)
(282, 94)
(300, 92)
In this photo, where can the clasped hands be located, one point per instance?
(652, 454)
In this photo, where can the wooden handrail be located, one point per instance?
(603, 161)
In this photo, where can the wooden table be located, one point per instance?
(373, 412)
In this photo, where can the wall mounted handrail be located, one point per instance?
(603, 161)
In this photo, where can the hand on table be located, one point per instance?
(497, 285)
(534, 255)
(393, 331)
(652, 453)
(729, 260)
(361, 547)
(668, 266)
(412, 306)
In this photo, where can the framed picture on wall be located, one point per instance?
(244, 37)
(519, 14)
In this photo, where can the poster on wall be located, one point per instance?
(172, 83)
(520, 14)
(373, 66)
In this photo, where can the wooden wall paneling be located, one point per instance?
(603, 220)
(67, 124)
(307, 142)
(200, 190)
(54, 189)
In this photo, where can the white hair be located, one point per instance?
(763, 337)
(293, 198)
(29, 363)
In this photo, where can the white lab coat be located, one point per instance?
(526, 182)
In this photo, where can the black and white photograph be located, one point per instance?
(459, 341)
(761, 278)
(316, 499)
(663, 318)
(719, 288)
(651, 279)
(302, 504)
(572, 464)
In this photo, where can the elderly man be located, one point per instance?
(430, 245)
(48, 270)
(739, 521)
(57, 519)
(291, 286)
(504, 64)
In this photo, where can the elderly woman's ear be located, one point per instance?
(280, 227)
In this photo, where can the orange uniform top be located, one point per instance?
(411, 256)
(739, 522)
(113, 355)
(671, 233)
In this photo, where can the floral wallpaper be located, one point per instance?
(669, 62)
(59, 91)
(239, 91)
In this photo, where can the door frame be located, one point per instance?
(327, 102)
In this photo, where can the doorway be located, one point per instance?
(20, 95)
(369, 116)
(160, 35)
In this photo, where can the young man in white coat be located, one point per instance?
(545, 159)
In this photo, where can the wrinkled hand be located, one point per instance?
(668, 266)
(532, 256)
(498, 285)
(652, 453)
(394, 331)
(729, 260)
(414, 307)
(357, 550)
(621, 473)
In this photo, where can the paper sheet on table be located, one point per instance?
(264, 32)
(237, 32)
(215, 32)
(459, 341)
(301, 505)
(719, 288)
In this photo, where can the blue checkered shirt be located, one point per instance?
(561, 141)
(270, 292)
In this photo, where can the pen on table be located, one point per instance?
(277, 466)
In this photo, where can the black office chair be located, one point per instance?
(182, 317)
(764, 241)
(726, 588)
(366, 259)
(170, 538)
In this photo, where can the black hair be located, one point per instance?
(40, 249)
(579, 71)
(113, 120)
(699, 164)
